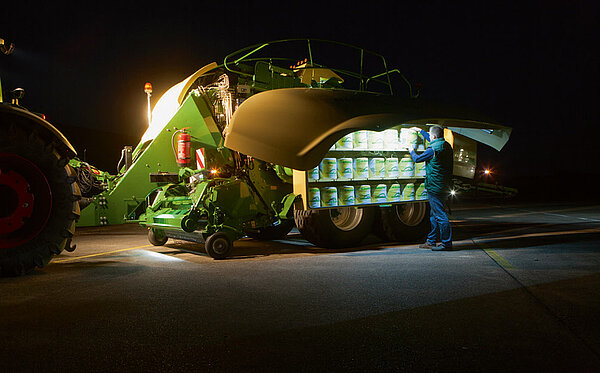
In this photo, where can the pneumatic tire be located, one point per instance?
(335, 228)
(218, 245)
(157, 237)
(38, 200)
(407, 222)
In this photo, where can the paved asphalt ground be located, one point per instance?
(522, 293)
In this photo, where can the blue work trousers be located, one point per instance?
(440, 225)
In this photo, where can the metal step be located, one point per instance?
(180, 235)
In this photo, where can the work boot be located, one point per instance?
(443, 248)
(427, 246)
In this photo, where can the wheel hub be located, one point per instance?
(411, 214)
(25, 200)
(220, 245)
(16, 201)
(346, 218)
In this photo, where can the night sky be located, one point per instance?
(532, 66)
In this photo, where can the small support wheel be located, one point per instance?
(218, 245)
(157, 237)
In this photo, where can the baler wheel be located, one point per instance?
(335, 228)
(42, 220)
(403, 223)
(218, 245)
(157, 237)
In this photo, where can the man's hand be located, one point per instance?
(415, 129)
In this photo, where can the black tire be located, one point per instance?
(31, 233)
(218, 245)
(273, 232)
(157, 237)
(335, 228)
(407, 222)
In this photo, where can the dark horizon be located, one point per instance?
(529, 66)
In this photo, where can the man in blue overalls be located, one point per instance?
(438, 158)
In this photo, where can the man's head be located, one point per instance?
(436, 132)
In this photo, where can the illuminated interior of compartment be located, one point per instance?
(368, 167)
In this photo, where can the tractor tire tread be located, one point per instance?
(60, 227)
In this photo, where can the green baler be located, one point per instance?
(271, 125)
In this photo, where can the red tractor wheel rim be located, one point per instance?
(25, 200)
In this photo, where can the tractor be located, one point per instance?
(39, 193)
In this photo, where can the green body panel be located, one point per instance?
(122, 202)
(231, 205)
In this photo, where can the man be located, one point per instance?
(438, 158)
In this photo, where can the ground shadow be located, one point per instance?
(536, 235)
(292, 244)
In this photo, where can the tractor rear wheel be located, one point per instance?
(335, 228)
(38, 201)
(408, 222)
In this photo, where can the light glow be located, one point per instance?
(148, 90)
(161, 257)
(162, 113)
(169, 103)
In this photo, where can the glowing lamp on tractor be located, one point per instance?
(148, 90)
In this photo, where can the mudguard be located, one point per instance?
(295, 127)
(8, 111)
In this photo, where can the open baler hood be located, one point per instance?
(295, 127)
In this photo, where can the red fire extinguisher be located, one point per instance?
(184, 142)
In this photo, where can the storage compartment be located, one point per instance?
(364, 168)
